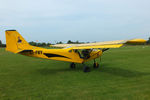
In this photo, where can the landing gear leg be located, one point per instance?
(95, 65)
(72, 66)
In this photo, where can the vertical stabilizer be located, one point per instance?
(15, 42)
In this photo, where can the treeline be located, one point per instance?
(148, 41)
(43, 44)
(71, 42)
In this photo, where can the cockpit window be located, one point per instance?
(70, 50)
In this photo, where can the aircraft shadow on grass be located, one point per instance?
(104, 69)
(122, 72)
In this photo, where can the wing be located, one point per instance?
(85, 44)
(107, 44)
(137, 41)
(62, 45)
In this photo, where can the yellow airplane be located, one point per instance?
(74, 53)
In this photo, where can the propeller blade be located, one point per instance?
(105, 49)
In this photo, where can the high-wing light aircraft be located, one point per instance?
(74, 53)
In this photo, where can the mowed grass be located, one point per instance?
(124, 74)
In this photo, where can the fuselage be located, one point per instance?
(68, 55)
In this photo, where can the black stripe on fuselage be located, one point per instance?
(26, 51)
(54, 55)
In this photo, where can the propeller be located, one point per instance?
(105, 49)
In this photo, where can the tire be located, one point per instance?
(72, 66)
(86, 69)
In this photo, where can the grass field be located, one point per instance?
(124, 75)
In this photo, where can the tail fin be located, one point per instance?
(15, 42)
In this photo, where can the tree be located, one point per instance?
(43, 44)
(48, 44)
(77, 42)
(0, 43)
(33, 43)
(59, 42)
(69, 42)
(148, 41)
(39, 44)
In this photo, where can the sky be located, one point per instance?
(82, 20)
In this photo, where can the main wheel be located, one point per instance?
(95, 65)
(72, 66)
(86, 69)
